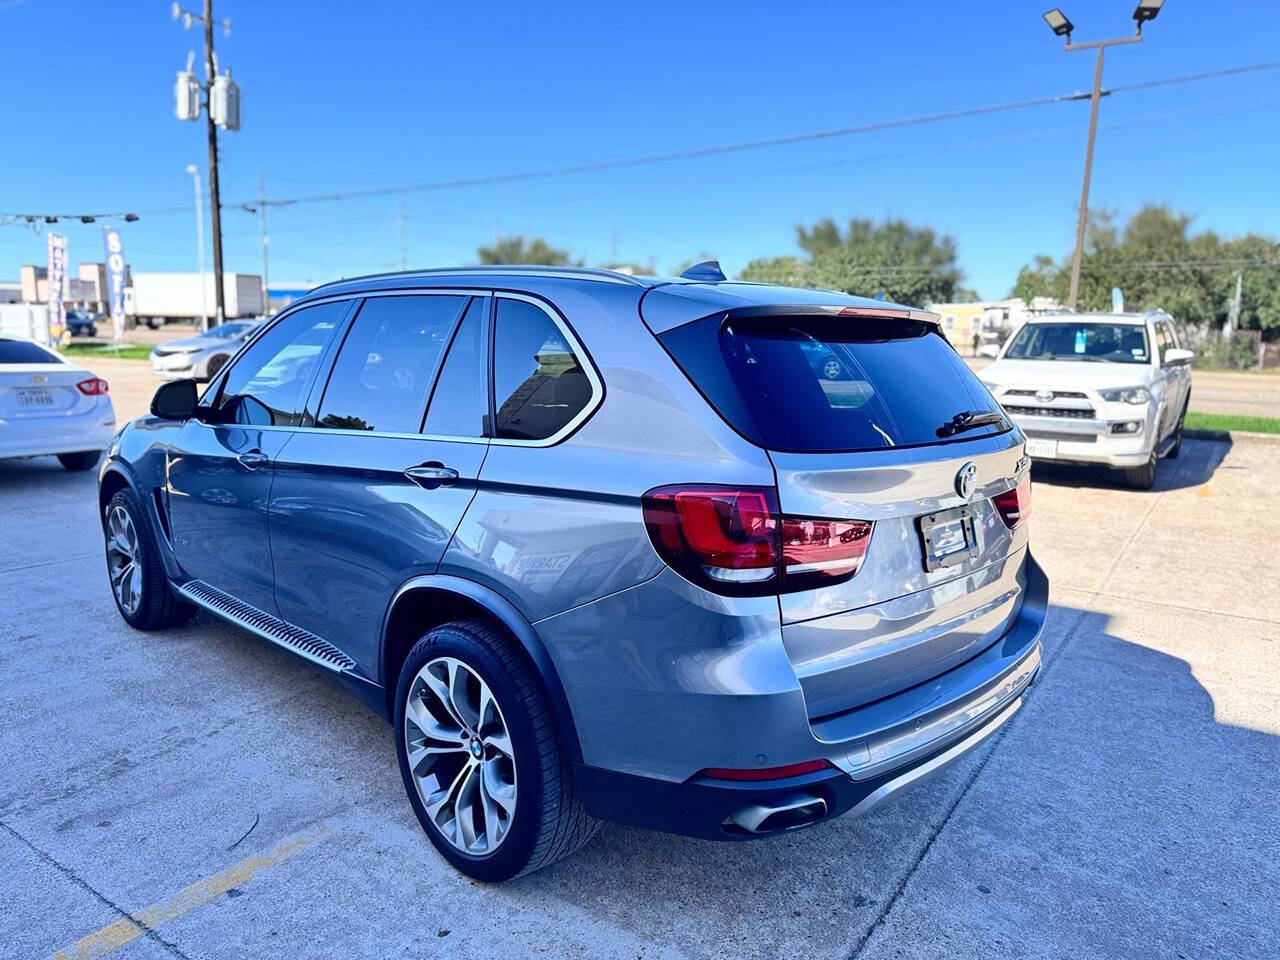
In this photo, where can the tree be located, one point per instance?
(906, 263)
(518, 250)
(1157, 262)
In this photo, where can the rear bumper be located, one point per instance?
(875, 750)
(35, 437)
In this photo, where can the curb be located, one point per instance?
(1233, 436)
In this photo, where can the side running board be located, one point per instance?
(302, 642)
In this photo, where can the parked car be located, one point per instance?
(82, 323)
(720, 559)
(202, 355)
(51, 406)
(1105, 388)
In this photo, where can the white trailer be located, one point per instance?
(157, 298)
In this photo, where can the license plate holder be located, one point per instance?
(35, 397)
(1042, 449)
(948, 537)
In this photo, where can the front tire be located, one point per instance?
(1143, 477)
(481, 760)
(138, 583)
(79, 462)
(215, 364)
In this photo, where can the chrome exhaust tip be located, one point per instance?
(781, 813)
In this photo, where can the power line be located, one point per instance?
(741, 146)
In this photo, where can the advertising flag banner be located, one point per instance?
(115, 279)
(58, 332)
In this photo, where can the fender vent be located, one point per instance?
(269, 627)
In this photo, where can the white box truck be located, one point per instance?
(159, 298)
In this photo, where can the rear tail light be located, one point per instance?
(736, 540)
(1015, 505)
(93, 387)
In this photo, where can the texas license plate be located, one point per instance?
(948, 538)
(35, 397)
(1042, 449)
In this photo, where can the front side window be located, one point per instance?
(1081, 341)
(387, 364)
(265, 385)
(539, 383)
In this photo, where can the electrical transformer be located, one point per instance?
(187, 96)
(224, 102)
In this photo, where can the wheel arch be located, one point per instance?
(425, 602)
(113, 479)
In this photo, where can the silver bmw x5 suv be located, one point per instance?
(715, 558)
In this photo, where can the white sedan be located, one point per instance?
(51, 406)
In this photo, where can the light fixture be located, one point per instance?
(1147, 10)
(1060, 25)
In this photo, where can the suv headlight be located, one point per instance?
(1134, 395)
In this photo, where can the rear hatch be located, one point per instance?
(869, 415)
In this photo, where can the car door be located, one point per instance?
(370, 490)
(1178, 376)
(219, 467)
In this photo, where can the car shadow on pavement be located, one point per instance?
(1193, 467)
(1115, 816)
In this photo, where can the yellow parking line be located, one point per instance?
(127, 929)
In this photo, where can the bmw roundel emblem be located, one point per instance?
(967, 479)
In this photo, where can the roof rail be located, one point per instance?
(515, 269)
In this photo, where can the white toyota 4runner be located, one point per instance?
(1108, 388)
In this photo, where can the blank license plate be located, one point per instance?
(1044, 449)
(35, 397)
(948, 537)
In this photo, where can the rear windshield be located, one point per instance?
(821, 383)
(19, 351)
(1109, 342)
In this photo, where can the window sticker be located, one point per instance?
(1080, 340)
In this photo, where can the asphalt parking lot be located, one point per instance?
(198, 793)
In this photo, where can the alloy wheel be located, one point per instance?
(123, 562)
(460, 755)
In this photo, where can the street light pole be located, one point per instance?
(204, 300)
(1083, 216)
(1146, 10)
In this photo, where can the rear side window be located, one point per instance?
(19, 351)
(827, 383)
(387, 364)
(460, 402)
(539, 383)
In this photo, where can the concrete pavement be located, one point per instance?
(200, 794)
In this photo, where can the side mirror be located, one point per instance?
(175, 400)
(1173, 356)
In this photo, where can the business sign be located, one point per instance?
(115, 279)
(58, 332)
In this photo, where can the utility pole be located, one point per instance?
(262, 213)
(1062, 27)
(222, 109)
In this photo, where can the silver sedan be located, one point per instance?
(203, 355)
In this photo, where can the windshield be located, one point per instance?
(228, 331)
(1086, 341)
(820, 383)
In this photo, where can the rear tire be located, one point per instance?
(528, 764)
(145, 601)
(1177, 433)
(1143, 477)
(79, 462)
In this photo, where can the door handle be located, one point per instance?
(252, 459)
(432, 475)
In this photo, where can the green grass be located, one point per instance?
(128, 351)
(1232, 421)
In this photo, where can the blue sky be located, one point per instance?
(341, 96)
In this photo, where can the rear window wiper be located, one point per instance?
(969, 420)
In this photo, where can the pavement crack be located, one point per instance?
(102, 898)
